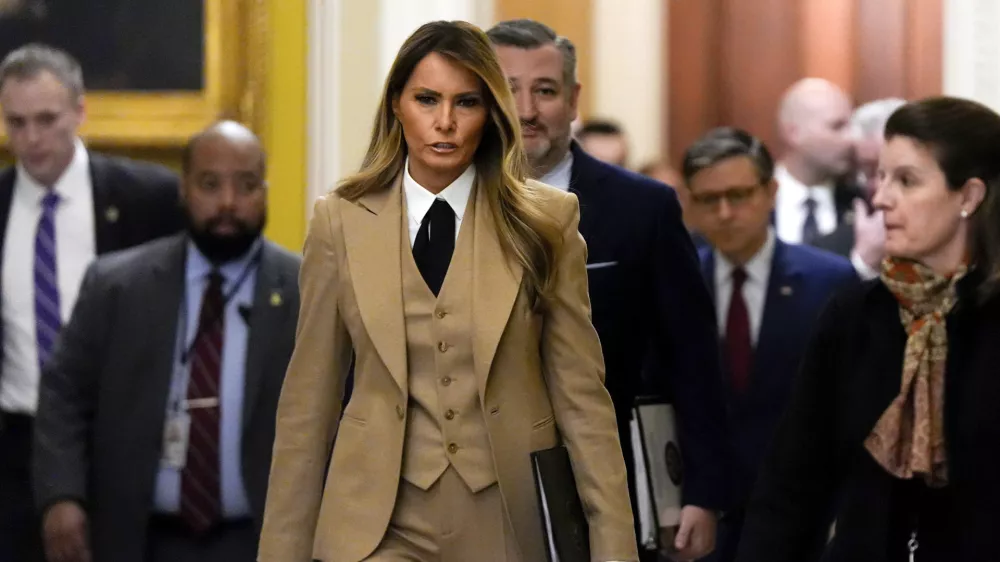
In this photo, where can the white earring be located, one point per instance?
(965, 214)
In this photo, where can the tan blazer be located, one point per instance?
(540, 378)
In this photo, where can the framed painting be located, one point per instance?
(156, 71)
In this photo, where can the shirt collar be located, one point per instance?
(77, 172)
(199, 267)
(419, 199)
(757, 268)
(559, 176)
(794, 192)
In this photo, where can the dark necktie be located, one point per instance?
(738, 347)
(48, 321)
(810, 228)
(435, 244)
(201, 498)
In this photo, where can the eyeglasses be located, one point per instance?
(735, 197)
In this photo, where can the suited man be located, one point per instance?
(156, 412)
(768, 295)
(815, 194)
(60, 206)
(646, 292)
(863, 238)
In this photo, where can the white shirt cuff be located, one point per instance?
(864, 270)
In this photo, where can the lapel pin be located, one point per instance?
(275, 298)
(111, 214)
(786, 291)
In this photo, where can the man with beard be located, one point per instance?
(649, 301)
(156, 412)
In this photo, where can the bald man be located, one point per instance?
(156, 412)
(813, 198)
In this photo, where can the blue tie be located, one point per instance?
(47, 318)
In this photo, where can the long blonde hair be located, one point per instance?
(526, 233)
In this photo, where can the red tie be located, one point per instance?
(738, 349)
(201, 503)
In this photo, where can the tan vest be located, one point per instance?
(445, 423)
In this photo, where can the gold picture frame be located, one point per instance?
(234, 61)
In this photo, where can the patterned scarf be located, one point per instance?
(909, 437)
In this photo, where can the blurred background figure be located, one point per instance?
(813, 198)
(605, 140)
(767, 293)
(862, 239)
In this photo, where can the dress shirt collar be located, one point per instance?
(199, 266)
(560, 176)
(794, 193)
(419, 199)
(758, 268)
(77, 174)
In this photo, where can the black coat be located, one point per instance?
(818, 470)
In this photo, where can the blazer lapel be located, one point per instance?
(6, 198)
(372, 237)
(584, 182)
(781, 303)
(496, 281)
(164, 302)
(270, 309)
(106, 207)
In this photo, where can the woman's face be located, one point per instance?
(443, 111)
(923, 218)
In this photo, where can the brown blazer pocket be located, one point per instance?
(348, 418)
(544, 434)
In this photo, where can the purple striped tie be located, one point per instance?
(47, 318)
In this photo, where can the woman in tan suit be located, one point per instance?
(460, 288)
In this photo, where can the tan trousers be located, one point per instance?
(447, 523)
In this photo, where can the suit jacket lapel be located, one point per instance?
(585, 177)
(106, 206)
(372, 237)
(6, 198)
(165, 293)
(781, 302)
(270, 309)
(496, 281)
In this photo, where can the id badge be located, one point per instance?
(175, 440)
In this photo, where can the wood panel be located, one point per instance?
(760, 58)
(569, 18)
(693, 47)
(881, 49)
(827, 30)
(924, 41)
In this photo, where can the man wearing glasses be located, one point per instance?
(768, 295)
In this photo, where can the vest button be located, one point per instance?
(441, 314)
(449, 415)
(446, 381)
(400, 412)
(443, 346)
(452, 448)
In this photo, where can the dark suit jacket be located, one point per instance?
(648, 296)
(102, 401)
(801, 282)
(818, 465)
(134, 202)
(840, 241)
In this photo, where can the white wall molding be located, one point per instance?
(324, 123)
(972, 50)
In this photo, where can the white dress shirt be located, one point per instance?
(758, 270)
(559, 177)
(75, 249)
(790, 206)
(419, 199)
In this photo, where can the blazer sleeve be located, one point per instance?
(574, 370)
(310, 403)
(686, 339)
(67, 397)
(790, 510)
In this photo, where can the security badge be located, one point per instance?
(276, 299)
(111, 214)
(177, 430)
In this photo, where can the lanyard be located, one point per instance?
(185, 347)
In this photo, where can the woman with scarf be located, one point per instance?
(893, 433)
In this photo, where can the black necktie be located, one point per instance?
(810, 228)
(435, 243)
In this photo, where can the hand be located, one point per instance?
(869, 235)
(696, 537)
(65, 532)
